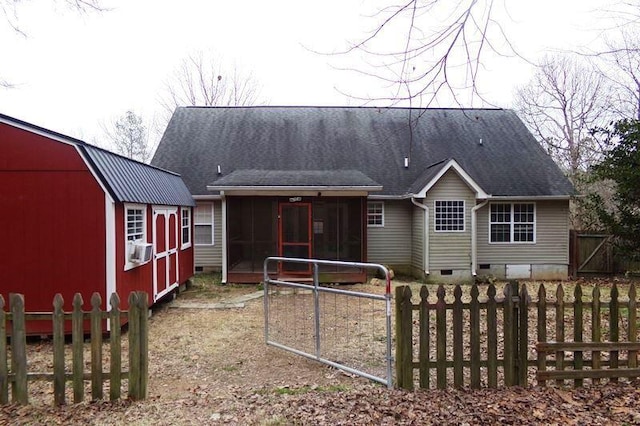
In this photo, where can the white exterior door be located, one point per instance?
(165, 250)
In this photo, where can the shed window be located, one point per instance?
(449, 216)
(185, 217)
(375, 213)
(203, 224)
(512, 223)
(135, 223)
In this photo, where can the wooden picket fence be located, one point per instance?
(15, 374)
(487, 341)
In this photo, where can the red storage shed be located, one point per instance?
(75, 218)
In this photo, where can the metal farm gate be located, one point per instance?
(346, 329)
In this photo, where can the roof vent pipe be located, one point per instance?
(480, 143)
(219, 170)
(406, 162)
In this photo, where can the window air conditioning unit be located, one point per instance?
(141, 252)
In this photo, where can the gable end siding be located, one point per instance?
(552, 238)
(450, 250)
(210, 257)
(391, 244)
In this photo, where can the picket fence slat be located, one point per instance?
(17, 376)
(481, 347)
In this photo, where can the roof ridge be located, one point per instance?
(364, 107)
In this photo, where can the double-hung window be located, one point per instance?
(375, 214)
(203, 224)
(449, 216)
(512, 223)
(185, 217)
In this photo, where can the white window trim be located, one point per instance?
(128, 246)
(381, 225)
(511, 223)
(213, 234)
(464, 217)
(183, 245)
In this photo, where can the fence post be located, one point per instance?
(559, 330)
(19, 391)
(115, 346)
(508, 329)
(458, 355)
(523, 336)
(542, 330)
(4, 370)
(96, 347)
(77, 342)
(633, 325)
(595, 328)
(134, 347)
(614, 330)
(58, 350)
(492, 338)
(424, 338)
(441, 339)
(578, 361)
(474, 319)
(404, 331)
(143, 301)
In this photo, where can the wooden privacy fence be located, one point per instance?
(15, 374)
(513, 339)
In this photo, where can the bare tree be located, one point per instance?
(9, 10)
(620, 65)
(129, 137)
(564, 102)
(439, 52)
(200, 80)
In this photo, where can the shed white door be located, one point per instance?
(165, 249)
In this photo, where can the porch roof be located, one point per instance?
(253, 179)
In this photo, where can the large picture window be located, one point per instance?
(375, 213)
(203, 224)
(512, 223)
(449, 216)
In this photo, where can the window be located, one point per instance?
(449, 216)
(185, 214)
(135, 223)
(375, 213)
(203, 225)
(512, 223)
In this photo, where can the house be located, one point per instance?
(77, 218)
(446, 194)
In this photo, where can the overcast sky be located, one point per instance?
(72, 72)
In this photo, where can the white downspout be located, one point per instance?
(425, 237)
(224, 237)
(474, 237)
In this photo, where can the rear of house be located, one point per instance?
(79, 219)
(444, 194)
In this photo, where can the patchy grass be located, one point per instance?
(286, 390)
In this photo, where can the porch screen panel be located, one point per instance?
(337, 230)
(252, 232)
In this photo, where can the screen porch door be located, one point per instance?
(295, 236)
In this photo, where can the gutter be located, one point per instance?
(474, 237)
(425, 237)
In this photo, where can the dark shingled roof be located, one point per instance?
(492, 145)
(125, 179)
(299, 178)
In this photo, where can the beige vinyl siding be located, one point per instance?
(210, 257)
(417, 243)
(450, 250)
(391, 244)
(552, 238)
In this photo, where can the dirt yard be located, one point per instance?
(211, 366)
